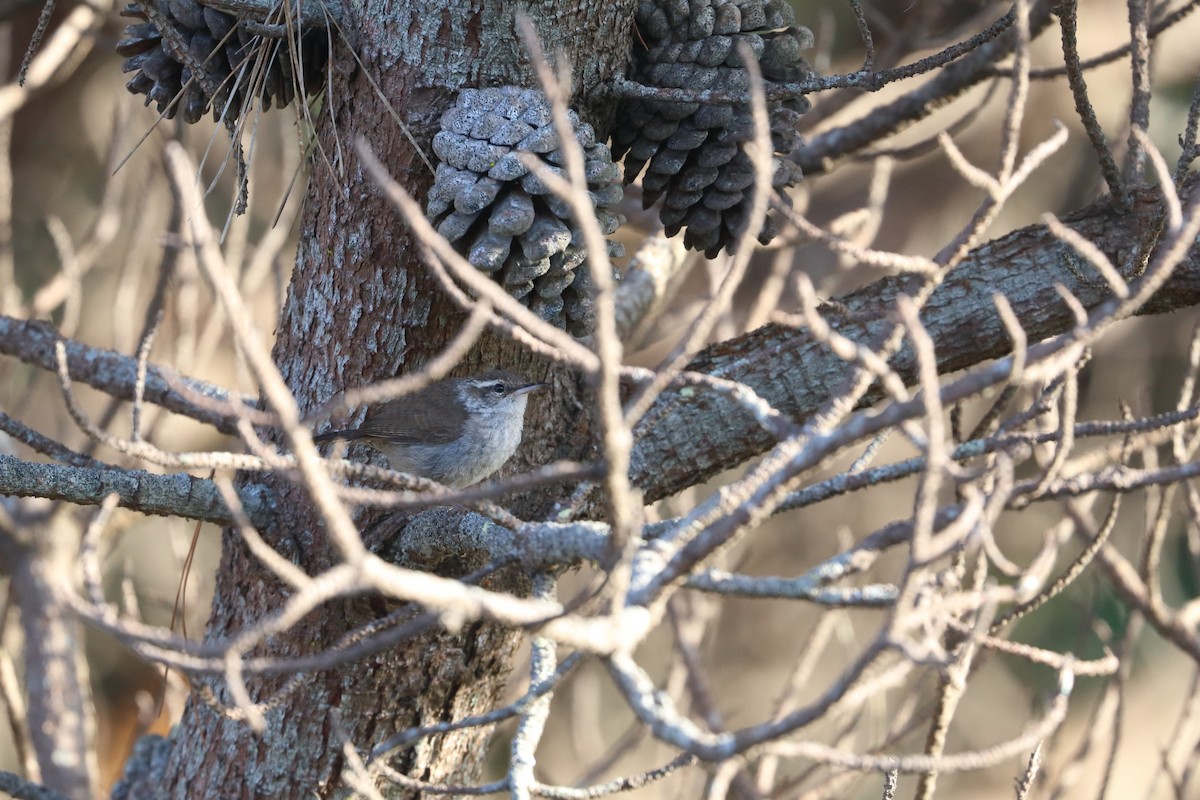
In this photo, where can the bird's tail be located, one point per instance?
(330, 436)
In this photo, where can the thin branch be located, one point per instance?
(822, 152)
(1083, 105)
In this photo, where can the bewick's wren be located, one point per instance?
(456, 431)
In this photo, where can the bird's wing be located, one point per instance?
(410, 422)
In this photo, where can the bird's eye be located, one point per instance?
(497, 388)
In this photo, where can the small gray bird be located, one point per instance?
(456, 431)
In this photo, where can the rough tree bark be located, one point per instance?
(362, 308)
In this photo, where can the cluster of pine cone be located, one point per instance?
(694, 154)
(503, 217)
(238, 65)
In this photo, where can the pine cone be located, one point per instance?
(694, 154)
(503, 218)
(230, 56)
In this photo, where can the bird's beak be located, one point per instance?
(533, 387)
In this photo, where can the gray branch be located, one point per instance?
(687, 438)
(178, 495)
(111, 372)
(442, 532)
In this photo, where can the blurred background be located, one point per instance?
(87, 190)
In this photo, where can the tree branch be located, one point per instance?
(180, 494)
(688, 437)
(113, 373)
(821, 153)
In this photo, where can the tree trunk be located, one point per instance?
(361, 308)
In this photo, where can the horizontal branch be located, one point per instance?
(429, 536)
(179, 495)
(111, 372)
(439, 532)
(688, 437)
